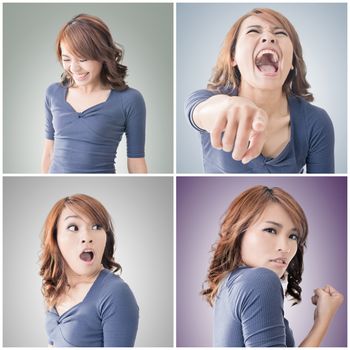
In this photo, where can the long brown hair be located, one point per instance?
(243, 212)
(52, 270)
(224, 76)
(88, 37)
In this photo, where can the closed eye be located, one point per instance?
(252, 31)
(281, 33)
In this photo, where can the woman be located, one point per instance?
(262, 240)
(88, 305)
(255, 116)
(88, 112)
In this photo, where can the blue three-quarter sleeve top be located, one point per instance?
(107, 317)
(311, 142)
(248, 311)
(87, 142)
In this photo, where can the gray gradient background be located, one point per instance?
(142, 212)
(322, 29)
(30, 65)
(201, 202)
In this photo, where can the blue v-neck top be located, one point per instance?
(107, 317)
(311, 142)
(87, 142)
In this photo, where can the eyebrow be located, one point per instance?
(72, 216)
(280, 225)
(274, 223)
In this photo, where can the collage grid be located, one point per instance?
(167, 221)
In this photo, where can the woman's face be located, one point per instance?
(81, 242)
(84, 72)
(263, 54)
(271, 242)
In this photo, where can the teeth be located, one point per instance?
(273, 53)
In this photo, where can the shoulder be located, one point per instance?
(130, 95)
(246, 287)
(53, 88)
(314, 116)
(246, 281)
(113, 286)
(132, 101)
(257, 276)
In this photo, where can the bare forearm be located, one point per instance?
(316, 335)
(137, 165)
(206, 112)
(47, 156)
(45, 164)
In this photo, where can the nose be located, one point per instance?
(85, 236)
(268, 37)
(74, 67)
(283, 246)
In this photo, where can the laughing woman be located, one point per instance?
(87, 304)
(255, 116)
(88, 112)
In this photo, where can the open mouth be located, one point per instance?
(267, 61)
(87, 255)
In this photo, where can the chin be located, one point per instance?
(269, 84)
(81, 83)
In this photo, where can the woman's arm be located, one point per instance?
(320, 158)
(47, 156)
(327, 301)
(257, 302)
(119, 317)
(137, 165)
(135, 111)
(233, 123)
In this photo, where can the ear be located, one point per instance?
(233, 63)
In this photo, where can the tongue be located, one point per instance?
(267, 68)
(86, 256)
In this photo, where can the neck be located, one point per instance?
(90, 88)
(273, 102)
(74, 279)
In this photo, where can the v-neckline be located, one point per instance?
(86, 109)
(93, 286)
(288, 144)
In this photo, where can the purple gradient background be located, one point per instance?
(201, 202)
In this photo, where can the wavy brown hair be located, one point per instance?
(241, 214)
(224, 76)
(88, 37)
(52, 270)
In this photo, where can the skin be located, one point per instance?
(272, 236)
(75, 232)
(259, 115)
(87, 91)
